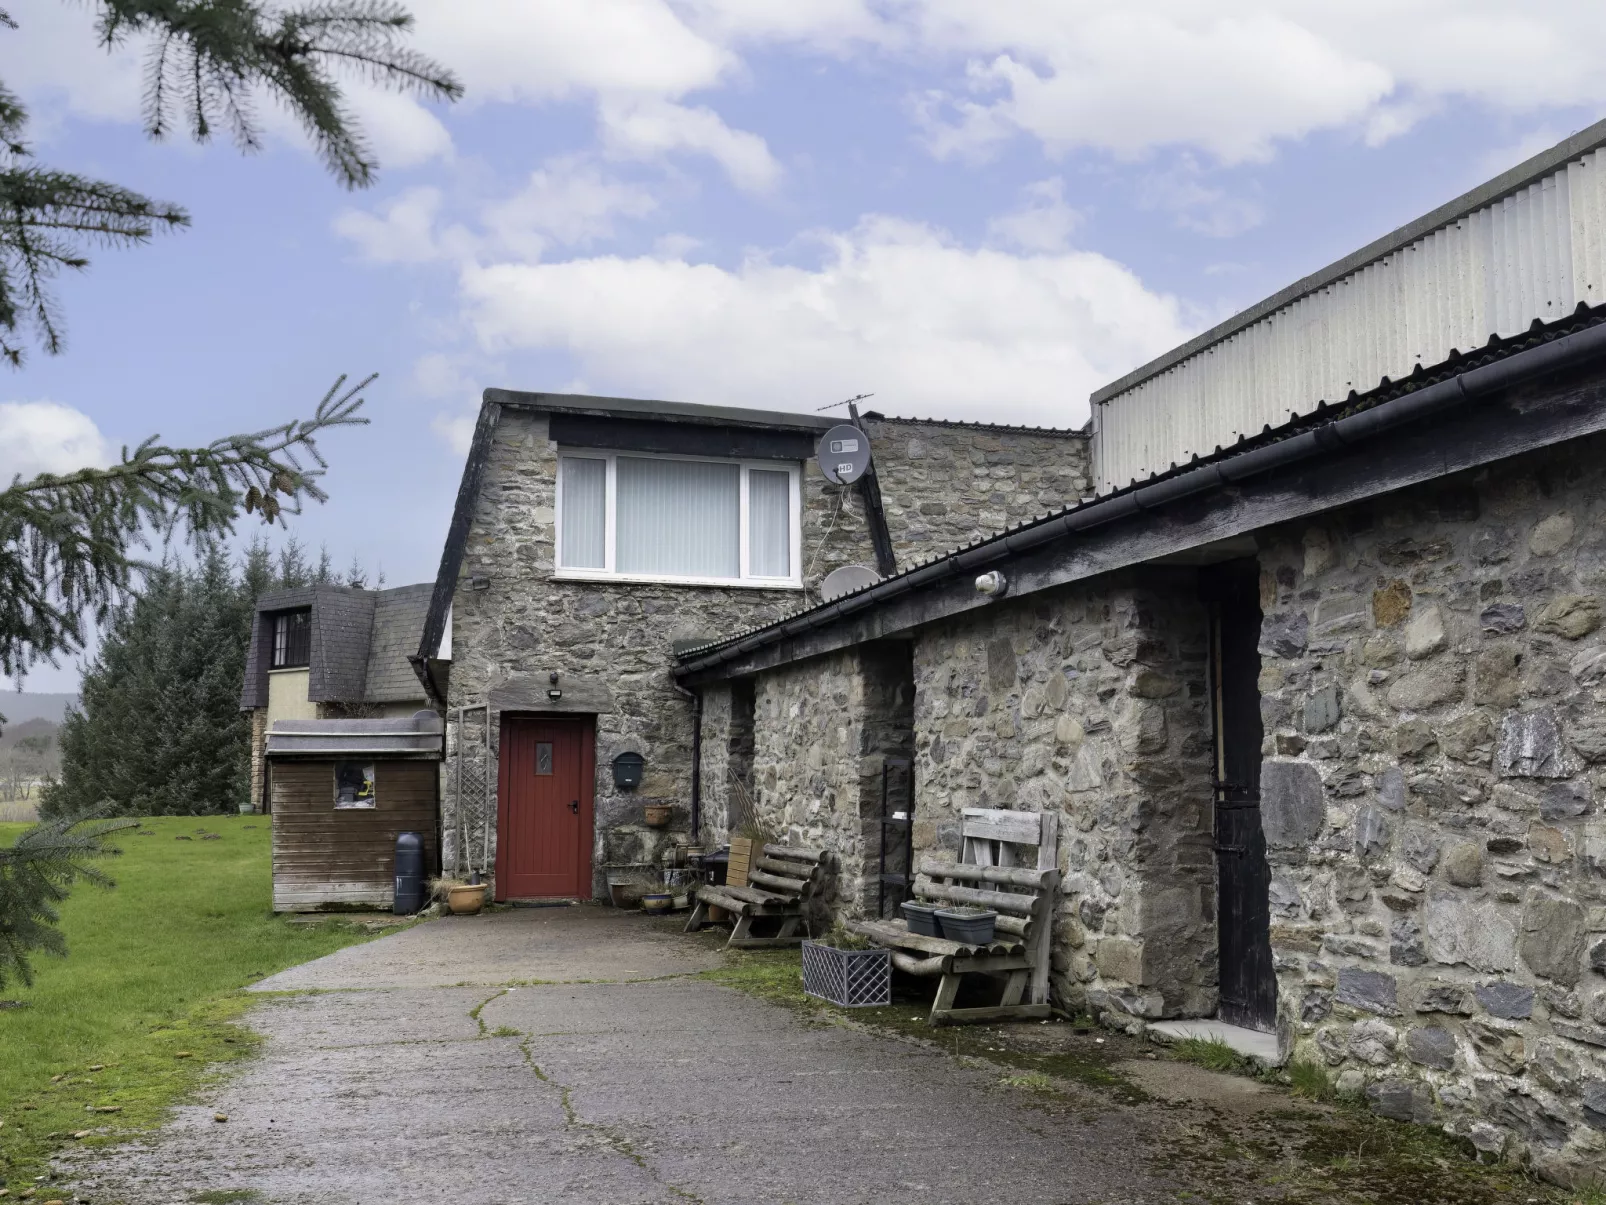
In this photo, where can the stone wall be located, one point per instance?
(610, 643)
(1090, 700)
(948, 484)
(1433, 679)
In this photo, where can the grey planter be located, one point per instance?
(922, 918)
(972, 927)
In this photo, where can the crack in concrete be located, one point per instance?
(611, 1137)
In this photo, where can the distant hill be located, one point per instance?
(16, 732)
(19, 707)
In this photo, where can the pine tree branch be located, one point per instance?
(35, 874)
(210, 55)
(69, 543)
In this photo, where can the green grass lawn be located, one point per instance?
(142, 1005)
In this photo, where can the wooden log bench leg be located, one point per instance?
(786, 933)
(698, 918)
(947, 992)
(1014, 989)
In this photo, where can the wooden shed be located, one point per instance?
(341, 791)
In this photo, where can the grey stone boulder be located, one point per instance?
(1502, 619)
(1432, 1047)
(1401, 1100)
(1441, 997)
(1593, 1100)
(1566, 800)
(1286, 635)
(1512, 1001)
(1530, 745)
(1372, 991)
(1293, 806)
(1553, 938)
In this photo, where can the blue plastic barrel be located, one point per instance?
(409, 874)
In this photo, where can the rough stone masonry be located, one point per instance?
(1433, 682)
(610, 643)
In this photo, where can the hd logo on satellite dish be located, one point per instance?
(844, 454)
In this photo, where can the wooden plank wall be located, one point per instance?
(324, 857)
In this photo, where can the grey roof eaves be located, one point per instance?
(1508, 182)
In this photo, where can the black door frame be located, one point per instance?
(1247, 979)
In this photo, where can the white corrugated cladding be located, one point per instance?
(1534, 254)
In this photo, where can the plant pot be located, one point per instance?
(969, 926)
(922, 918)
(657, 901)
(657, 815)
(465, 900)
(847, 978)
(248, 809)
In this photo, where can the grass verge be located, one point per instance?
(144, 1006)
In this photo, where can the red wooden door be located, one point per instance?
(543, 829)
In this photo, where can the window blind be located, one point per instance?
(769, 524)
(585, 513)
(677, 517)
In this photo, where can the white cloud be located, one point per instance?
(1196, 206)
(403, 230)
(567, 200)
(1043, 223)
(931, 327)
(47, 437)
(402, 132)
(649, 129)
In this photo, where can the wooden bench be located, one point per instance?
(1008, 862)
(780, 885)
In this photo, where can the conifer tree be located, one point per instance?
(209, 62)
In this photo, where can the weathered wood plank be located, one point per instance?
(994, 824)
(795, 853)
(969, 1016)
(910, 965)
(1021, 905)
(792, 887)
(895, 933)
(1014, 876)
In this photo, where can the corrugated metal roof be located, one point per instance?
(1530, 246)
(1453, 365)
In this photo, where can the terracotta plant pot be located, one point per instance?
(657, 815)
(465, 900)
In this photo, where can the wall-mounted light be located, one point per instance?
(993, 584)
(553, 692)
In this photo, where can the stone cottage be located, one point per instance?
(1316, 679)
(593, 535)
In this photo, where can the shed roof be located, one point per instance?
(421, 735)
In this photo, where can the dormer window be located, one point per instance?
(691, 520)
(292, 639)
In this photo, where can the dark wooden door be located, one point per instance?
(543, 818)
(1243, 877)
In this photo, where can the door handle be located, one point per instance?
(575, 807)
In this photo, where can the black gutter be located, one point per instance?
(1560, 353)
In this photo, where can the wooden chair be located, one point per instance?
(780, 885)
(1008, 862)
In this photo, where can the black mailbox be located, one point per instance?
(627, 771)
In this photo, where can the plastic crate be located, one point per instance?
(848, 978)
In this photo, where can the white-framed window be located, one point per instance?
(638, 516)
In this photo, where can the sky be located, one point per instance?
(969, 209)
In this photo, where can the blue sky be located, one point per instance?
(971, 209)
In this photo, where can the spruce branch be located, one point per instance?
(209, 57)
(35, 874)
(68, 543)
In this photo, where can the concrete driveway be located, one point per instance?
(572, 1055)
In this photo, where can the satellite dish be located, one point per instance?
(846, 580)
(844, 454)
